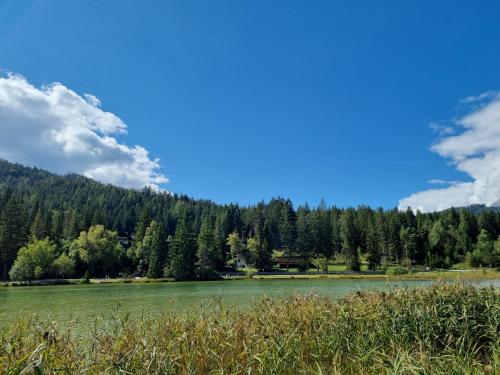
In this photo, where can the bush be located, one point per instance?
(395, 271)
(303, 265)
(34, 261)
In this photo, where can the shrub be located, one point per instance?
(395, 271)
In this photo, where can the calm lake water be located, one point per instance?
(84, 303)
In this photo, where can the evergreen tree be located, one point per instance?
(143, 223)
(349, 237)
(155, 238)
(183, 251)
(206, 253)
(335, 232)
(409, 243)
(56, 227)
(73, 224)
(38, 228)
(381, 236)
(466, 233)
(221, 231)
(395, 249)
(287, 229)
(261, 244)
(304, 238)
(373, 253)
(487, 221)
(12, 233)
(437, 239)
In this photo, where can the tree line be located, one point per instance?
(71, 226)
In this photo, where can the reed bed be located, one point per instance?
(439, 329)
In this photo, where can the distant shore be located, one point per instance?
(469, 275)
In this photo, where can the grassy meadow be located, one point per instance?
(439, 329)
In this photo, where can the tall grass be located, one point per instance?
(441, 329)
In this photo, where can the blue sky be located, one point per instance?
(246, 100)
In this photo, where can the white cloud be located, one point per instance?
(54, 128)
(479, 98)
(441, 129)
(475, 150)
(438, 181)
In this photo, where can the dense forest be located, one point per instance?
(70, 226)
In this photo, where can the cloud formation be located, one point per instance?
(473, 148)
(54, 128)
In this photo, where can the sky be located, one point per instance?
(383, 103)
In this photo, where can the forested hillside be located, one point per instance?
(62, 226)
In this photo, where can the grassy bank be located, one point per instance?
(433, 275)
(470, 275)
(444, 328)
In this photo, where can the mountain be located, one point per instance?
(37, 204)
(117, 208)
(476, 209)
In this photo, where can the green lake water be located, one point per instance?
(84, 303)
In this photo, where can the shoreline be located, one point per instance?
(465, 275)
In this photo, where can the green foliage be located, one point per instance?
(206, 265)
(150, 252)
(396, 271)
(12, 233)
(34, 261)
(485, 248)
(156, 238)
(495, 258)
(183, 251)
(350, 239)
(64, 266)
(35, 204)
(98, 249)
(236, 246)
(373, 248)
(440, 329)
(38, 230)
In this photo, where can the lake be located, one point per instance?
(84, 303)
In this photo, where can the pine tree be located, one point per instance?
(156, 239)
(143, 223)
(437, 240)
(183, 251)
(335, 236)
(487, 221)
(12, 233)
(393, 240)
(373, 253)
(409, 243)
(221, 231)
(262, 251)
(287, 229)
(349, 237)
(206, 252)
(38, 228)
(304, 238)
(73, 224)
(56, 225)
